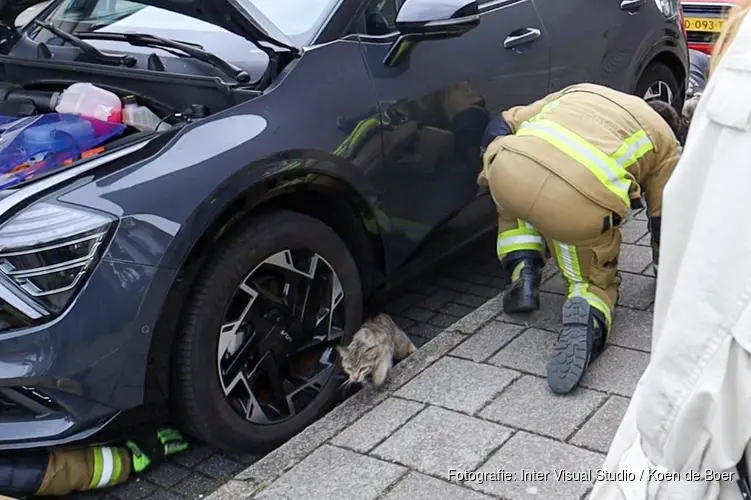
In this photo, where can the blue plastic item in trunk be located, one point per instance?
(38, 144)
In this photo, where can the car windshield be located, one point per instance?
(298, 19)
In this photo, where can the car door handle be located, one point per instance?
(632, 5)
(529, 35)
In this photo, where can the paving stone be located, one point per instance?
(645, 240)
(219, 466)
(167, 495)
(456, 310)
(234, 490)
(166, 474)
(334, 474)
(528, 352)
(640, 214)
(528, 404)
(487, 311)
(416, 486)
(600, 429)
(422, 287)
(469, 299)
(485, 291)
(437, 440)
(542, 456)
(616, 371)
(548, 317)
(195, 486)
(402, 302)
(636, 291)
(377, 424)
(132, 490)
(634, 258)
(423, 330)
(442, 320)
(447, 283)
(194, 455)
(417, 314)
(633, 230)
(438, 299)
(632, 328)
(458, 384)
(487, 341)
(556, 284)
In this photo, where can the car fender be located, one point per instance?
(666, 44)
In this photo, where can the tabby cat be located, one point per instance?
(373, 349)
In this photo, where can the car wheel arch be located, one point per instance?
(661, 54)
(324, 197)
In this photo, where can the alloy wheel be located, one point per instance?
(276, 344)
(659, 90)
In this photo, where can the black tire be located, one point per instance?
(202, 410)
(659, 72)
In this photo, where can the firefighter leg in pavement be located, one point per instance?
(520, 248)
(591, 272)
(584, 239)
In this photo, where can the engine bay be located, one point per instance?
(49, 122)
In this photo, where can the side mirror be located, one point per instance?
(420, 20)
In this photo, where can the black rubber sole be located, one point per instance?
(515, 304)
(570, 356)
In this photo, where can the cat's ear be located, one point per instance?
(342, 351)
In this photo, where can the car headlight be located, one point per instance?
(669, 8)
(46, 251)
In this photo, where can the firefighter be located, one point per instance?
(563, 180)
(61, 472)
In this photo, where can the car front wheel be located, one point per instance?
(255, 360)
(659, 82)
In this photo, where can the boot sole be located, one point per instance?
(570, 356)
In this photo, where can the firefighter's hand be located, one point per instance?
(155, 447)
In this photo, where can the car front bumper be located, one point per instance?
(68, 379)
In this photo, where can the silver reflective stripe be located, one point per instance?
(519, 240)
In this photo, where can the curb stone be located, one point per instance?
(262, 473)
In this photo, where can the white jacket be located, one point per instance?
(691, 411)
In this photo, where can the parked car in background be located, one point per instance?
(317, 150)
(703, 20)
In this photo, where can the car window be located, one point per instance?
(378, 18)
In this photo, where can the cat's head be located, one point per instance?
(358, 360)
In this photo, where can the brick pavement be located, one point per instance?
(472, 399)
(423, 309)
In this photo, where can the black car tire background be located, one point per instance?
(198, 399)
(657, 72)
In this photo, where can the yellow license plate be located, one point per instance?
(707, 24)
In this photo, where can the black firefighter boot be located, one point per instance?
(524, 269)
(581, 340)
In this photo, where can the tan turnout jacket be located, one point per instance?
(621, 127)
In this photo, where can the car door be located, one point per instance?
(597, 40)
(435, 105)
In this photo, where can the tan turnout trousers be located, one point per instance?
(85, 469)
(567, 176)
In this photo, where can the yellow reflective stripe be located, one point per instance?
(567, 259)
(97, 474)
(546, 109)
(607, 170)
(525, 237)
(117, 470)
(632, 149)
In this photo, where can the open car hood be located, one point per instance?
(238, 16)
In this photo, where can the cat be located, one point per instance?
(373, 349)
